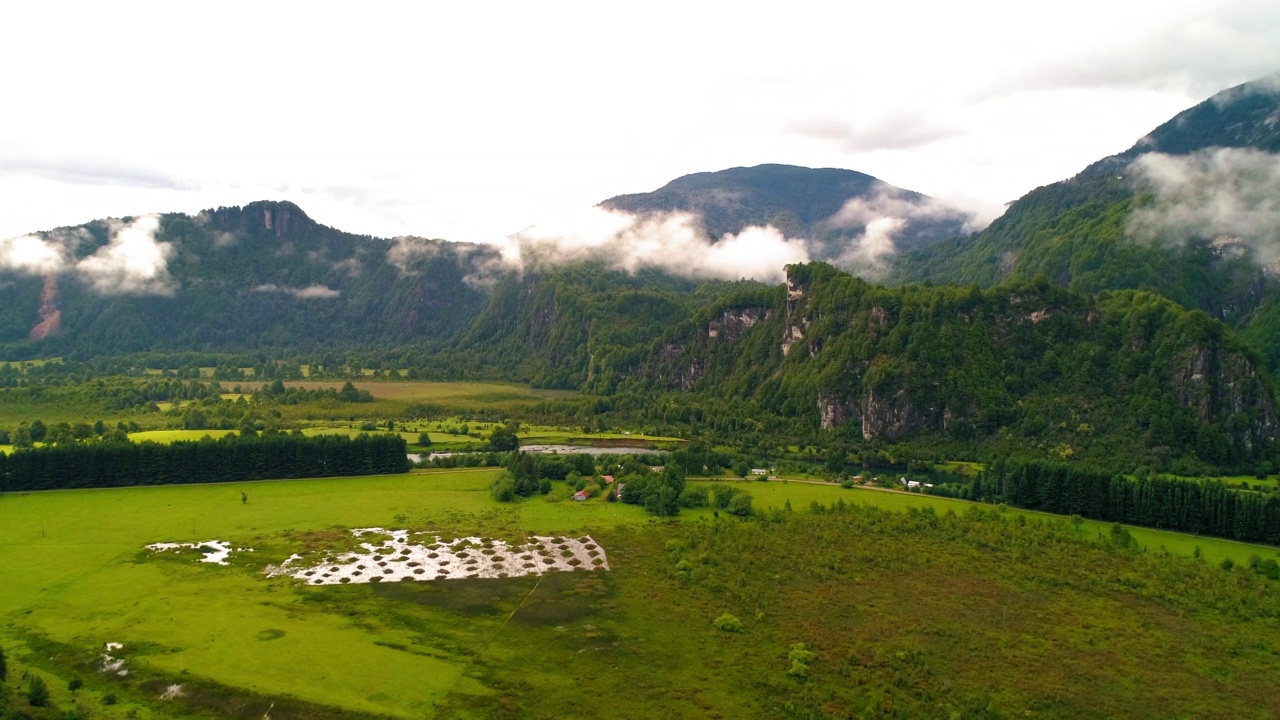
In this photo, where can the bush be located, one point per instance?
(799, 657)
(728, 623)
(37, 692)
(695, 497)
(740, 505)
(503, 489)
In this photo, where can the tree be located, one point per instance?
(424, 439)
(348, 393)
(37, 692)
(4, 666)
(503, 438)
(38, 431)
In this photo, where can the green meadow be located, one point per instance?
(633, 642)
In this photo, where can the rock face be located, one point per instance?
(733, 324)
(892, 364)
(1217, 386)
(796, 324)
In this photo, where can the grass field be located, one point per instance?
(1215, 550)
(73, 570)
(74, 575)
(448, 394)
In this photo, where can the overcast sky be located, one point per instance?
(475, 120)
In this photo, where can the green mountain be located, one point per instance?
(1150, 219)
(1023, 368)
(801, 202)
(263, 276)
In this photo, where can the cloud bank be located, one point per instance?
(1231, 192)
(674, 242)
(132, 262)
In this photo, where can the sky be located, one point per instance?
(474, 121)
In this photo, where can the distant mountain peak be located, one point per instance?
(1247, 115)
(833, 208)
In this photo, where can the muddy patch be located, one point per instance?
(399, 555)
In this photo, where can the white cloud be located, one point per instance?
(132, 263)
(1232, 192)
(31, 254)
(674, 242)
(886, 213)
(311, 292)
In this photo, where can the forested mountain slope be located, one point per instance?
(1183, 213)
(261, 276)
(1123, 372)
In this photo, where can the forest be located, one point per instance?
(1201, 507)
(229, 459)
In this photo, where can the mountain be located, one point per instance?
(1186, 213)
(1030, 369)
(827, 206)
(259, 277)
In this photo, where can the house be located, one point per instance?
(759, 471)
(580, 495)
(912, 484)
(608, 479)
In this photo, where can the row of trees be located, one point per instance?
(1205, 507)
(232, 458)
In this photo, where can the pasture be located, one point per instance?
(74, 576)
(465, 395)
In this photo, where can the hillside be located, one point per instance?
(801, 202)
(1151, 218)
(1025, 368)
(264, 276)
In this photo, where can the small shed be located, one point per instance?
(580, 495)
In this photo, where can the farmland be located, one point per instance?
(74, 575)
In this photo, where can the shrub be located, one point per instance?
(728, 623)
(503, 489)
(37, 692)
(799, 657)
(740, 505)
(695, 496)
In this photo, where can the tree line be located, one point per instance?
(230, 459)
(1202, 507)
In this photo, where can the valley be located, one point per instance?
(782, 442)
